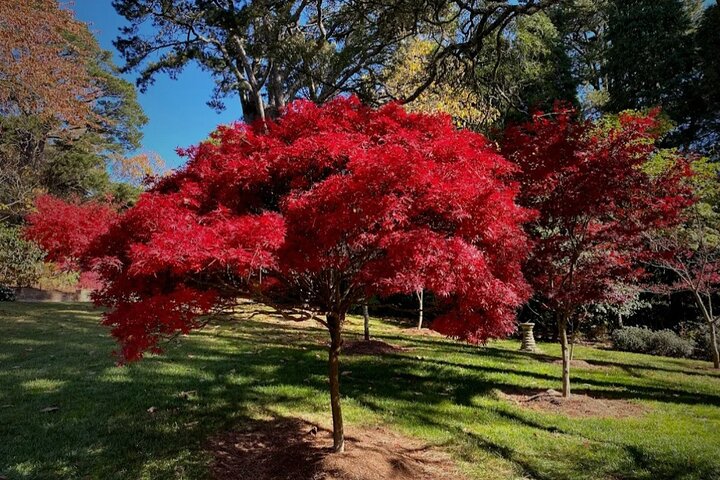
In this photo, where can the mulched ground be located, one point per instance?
(292, 449)
(581, 364)
(371, 347)
(424, 332)
(578, 405)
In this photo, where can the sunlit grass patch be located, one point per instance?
(42, 385)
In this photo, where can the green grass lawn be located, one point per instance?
(440, 391)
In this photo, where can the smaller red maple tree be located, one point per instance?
(315, 212)
(65, 229)
(595, 203)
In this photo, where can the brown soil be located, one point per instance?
(581, 364)
(578, 405)
(290, 449)
(371, 347)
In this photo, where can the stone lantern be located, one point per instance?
(528, 340)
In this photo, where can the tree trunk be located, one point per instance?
(366, 318)
(335, 325)
(714, 345)
(710, 319)
(249, 107)
(562, 332)
(420, 310)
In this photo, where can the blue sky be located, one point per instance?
(177, 112)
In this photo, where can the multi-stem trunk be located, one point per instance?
(707, 312)
(366, 319)
(334, 322)
(562, 333)
(420, 308)
(714, 345)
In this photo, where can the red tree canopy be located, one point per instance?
(595, 201)
(66, 229)
(318, 210)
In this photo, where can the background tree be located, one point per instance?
(269, 53)
(594, 204)
(691, 251)
(43, 82)
(652, 61)
(583, 27)
(707, 116)
(690, 112)
(524, 67)
(625, 301)
(43, 62)
(421, 304)
(642, 54)
(533, 70)
(453, 93)
(66, 116)
(326, 203)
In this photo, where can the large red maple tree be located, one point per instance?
(315, 212)
(595, 201)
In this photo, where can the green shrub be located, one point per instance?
(642, 340)
(632, 339)
(669, 344)
(20, 260)
(7, 294)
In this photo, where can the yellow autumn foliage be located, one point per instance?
(135, 168)
(448, 94)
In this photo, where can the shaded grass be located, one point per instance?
(56, 355)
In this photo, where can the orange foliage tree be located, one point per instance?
(43, 63)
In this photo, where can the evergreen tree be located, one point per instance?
(583, 28)
(706, 124)
(651, 58)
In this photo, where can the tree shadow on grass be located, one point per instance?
(632, 368)
(145, 419)
(153, 418)
(701, 369)
(603, 389)
(660, 468)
